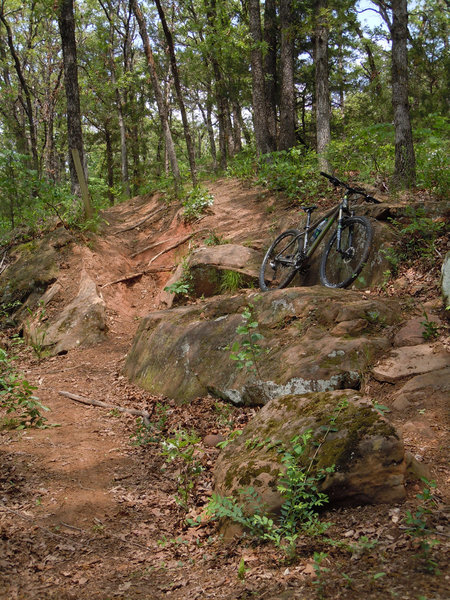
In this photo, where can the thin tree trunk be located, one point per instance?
(27, 105)
(66, 21)
(109, 164)
(323, 108)
(287, 103)
(162, 107)
(177, 83)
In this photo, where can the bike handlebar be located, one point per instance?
(336, 182)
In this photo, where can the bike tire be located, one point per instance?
(339, 270)
(273, 275)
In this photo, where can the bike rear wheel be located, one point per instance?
(338, 269)
(278, 267)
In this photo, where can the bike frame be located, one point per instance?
(338, 212)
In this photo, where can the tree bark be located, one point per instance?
(27, 105)
(66, 22)
(270, 67)
(258, 84)
(405, 162)
(287, 96)
(162, 107)
(323, 106)
(177, 83)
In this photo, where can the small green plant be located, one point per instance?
(213, 239)
(197, 201)
(150, 433)
(242, 570)
(417, 526)
(430, 328)
(184, 285)
(247, 353)
(16, 396)
(36, 330)
(182, 448)
(418, 237)
(230, 281)
(320, 571)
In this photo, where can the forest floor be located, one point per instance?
(88, 512)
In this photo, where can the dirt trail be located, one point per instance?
(83, 513)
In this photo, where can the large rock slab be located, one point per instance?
(206, 267)
(411, 360)
(183, 352)
(81, 323)
(366, 451)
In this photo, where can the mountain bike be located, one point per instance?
(345, 253)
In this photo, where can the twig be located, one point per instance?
(136, 275)
(132, 411)
(149, 216)
(178, 243)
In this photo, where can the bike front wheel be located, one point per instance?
(279, 265)
(340, 267)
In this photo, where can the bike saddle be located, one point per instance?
(308, 209)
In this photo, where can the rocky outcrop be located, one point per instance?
(411, 360)
(81, 323)
(347, 433)
(184, 352)
(206, 267)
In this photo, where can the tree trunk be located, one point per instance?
(109, 164)
(323, 107)
(177, 83)
(162, 107)
(66, 22)
(270, 67)
(27, 105)
(287, 102)
(405, 162)
(258, 85)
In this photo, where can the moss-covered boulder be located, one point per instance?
(184, 352)
(347, 433)
(35, 266)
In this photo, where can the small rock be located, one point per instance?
(349, 327)
(401, 404)
(421, 428)
(212, 439)
(415, 468)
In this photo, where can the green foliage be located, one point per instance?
(302, 499)
(150, 433)
(181, 448)
(430, 328)
(197, 201)
(432, 149)
(36, 330)
(230, 281)
(213, 239)
(16, 397)
(247, 352)
(417, 525)
(418, 235)
(182, 286)
(294, 172)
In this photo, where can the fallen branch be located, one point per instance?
(178, 243)
(136, 275)
(131, 411)
(149, 216)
